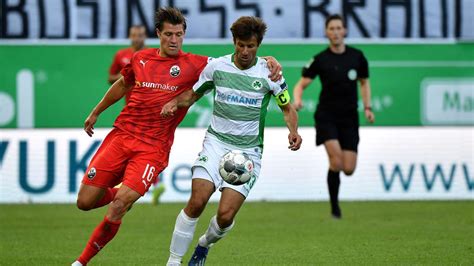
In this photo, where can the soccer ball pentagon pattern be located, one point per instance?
(236, 167)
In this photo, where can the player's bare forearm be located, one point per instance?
(114, 77)
(185, 99)
(298, 92)
(291, 119)
(365, 91)
(366, 96)
(115, 93)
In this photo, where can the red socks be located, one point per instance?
(102, 234)
(107, 198)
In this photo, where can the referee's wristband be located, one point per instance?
(368, 108)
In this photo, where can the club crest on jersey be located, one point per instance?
(91, 174)
(257, 84)
(202, 158)
(352, 74)
(174, 71)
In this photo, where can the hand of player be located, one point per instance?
(298, 104)
(89, 124)
(369, 115)
(295, 141)
(169, 108)
(276, 72)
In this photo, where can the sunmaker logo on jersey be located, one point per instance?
(239, 99)
(156, 86)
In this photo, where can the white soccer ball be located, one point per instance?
(236, 167)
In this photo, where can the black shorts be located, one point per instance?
(345, 130)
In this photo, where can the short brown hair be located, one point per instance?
(171, 15)
(335, 17)
(245, 27)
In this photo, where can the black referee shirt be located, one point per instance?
(338, 74)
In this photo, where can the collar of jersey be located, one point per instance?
(254, 63)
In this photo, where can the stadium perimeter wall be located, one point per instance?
(395, 163)
(55, 85)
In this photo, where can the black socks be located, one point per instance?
(333, 185)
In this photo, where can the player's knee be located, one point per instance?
(225, 217)
(117, 208)
(195, 207)
(336, 164)
(348, 172)
(84, 204)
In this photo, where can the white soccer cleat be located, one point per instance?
(76, 263)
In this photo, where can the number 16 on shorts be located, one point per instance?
(148, 175)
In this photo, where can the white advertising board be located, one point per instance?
(395, 163)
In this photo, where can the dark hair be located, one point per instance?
(171, 15)
(137, 26)
(245, 27)
(335, 17)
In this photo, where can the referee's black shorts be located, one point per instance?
(345, 129)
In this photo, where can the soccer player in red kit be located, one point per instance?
(137, 149)
(137, 36)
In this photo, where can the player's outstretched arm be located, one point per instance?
(298, 92)
(185, 99)
(366, 93)
(291, 120)
(115, 93)
(275, 68)
(114, 77)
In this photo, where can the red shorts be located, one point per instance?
(124, 158)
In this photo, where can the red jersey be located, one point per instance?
(157, 81)
(121, 59)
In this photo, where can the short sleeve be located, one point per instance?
(115, 67)
(127, 72)
(205, 83)
(311, 70)
(278, 87)
(363, 67)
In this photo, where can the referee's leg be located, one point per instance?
(335, 155)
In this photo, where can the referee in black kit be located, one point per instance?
(337, 122)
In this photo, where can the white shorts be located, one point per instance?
(206, 165)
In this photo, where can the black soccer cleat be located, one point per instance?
(336, 212)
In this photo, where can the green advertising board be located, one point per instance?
(56, 86)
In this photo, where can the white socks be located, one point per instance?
(182, 237)
(213, 233)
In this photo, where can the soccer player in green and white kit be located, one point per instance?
(242, 94)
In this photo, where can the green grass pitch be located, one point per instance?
(266, 233)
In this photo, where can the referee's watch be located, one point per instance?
(367, 108)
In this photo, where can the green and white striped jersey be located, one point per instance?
(241, 100)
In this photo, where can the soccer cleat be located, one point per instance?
(336, 212)
(199, 256)
(76, 263)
